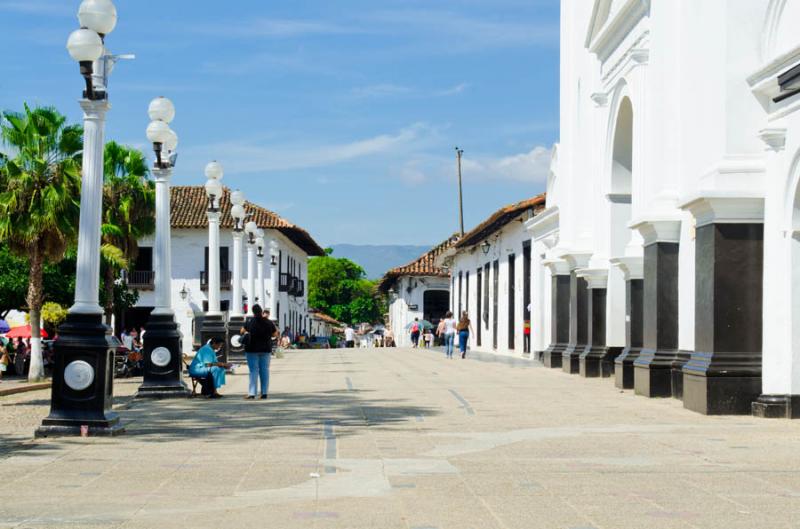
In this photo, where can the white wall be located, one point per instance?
(409, 292)
(507, 241)
(188, 248)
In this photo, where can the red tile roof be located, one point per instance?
(324, 317)
(499, 219)
(421, 266)
(189, 205)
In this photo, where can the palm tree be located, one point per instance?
(128, 213)
(40, 183)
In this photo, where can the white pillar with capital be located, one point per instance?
(260, 286)
(251, 229)
(236, 286)
(273, 276)
(162, 256)
(213, 262)
(87, 274)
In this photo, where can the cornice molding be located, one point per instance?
(595, 277)
(632, 267)
(653, 231)
(726, 210)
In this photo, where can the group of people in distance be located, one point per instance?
(447, 330)
(257, 335)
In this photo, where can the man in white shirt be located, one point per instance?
(349, 337)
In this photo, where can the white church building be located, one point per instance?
(669, 252)
(287, 278)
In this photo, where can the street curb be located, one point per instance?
(25, 389)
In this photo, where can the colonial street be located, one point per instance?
(399, 438)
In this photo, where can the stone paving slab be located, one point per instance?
(397, 438)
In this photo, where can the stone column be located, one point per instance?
(251, 275)
(653, 368)
(87, 274)
(633, 268)
(213, 263)
(163, 354)
(236, 282)
(597, 359)
(83, 377)
(260, 287)
(723, 374)
(578, 313)
(273, 279)
(559, 312)
(214, 324)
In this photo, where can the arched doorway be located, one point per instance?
(435, 304)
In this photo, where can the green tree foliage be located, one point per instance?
(39, 199)
(129, 202)
(53, 315)
(338, 287)
(58, 280)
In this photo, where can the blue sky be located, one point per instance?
(342, 116)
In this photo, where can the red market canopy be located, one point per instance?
(22, 332)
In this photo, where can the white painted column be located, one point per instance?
(87, 275)
(162, 260)
(213, 263)
(262, 293)
(236, 286)
(273, 271)
(251, 276)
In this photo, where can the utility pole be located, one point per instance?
(459, 153)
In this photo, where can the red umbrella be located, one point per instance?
(22, 332)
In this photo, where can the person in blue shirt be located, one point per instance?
(208, 369)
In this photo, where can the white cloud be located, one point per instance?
(246, 157)
(275, 28)
(533, 166)
(390, 89)
(412, 175)
(381, 90)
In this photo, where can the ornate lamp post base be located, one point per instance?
(235, 352)
(215, 325)
(163, 362)
(83, 379)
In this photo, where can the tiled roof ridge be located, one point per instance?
(500, 218)
(189, 211)
(422, 265)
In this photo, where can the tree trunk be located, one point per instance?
(34, 298)
(108, 286)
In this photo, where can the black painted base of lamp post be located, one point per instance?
(214, 325)
(235, 353)
(777, 407)
(83, 380)
(163, 360)
(623, 367)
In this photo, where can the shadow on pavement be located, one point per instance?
(282, 415)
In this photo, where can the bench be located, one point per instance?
(195, 380)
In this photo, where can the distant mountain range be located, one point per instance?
(377, 259)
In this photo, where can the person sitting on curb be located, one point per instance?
(208, 369)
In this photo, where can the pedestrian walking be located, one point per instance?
(258, 331)
(415, 333)
(448, 334)
(428, 338)
(464, 327)
(349, 337)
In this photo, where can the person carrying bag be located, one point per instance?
(257, 337)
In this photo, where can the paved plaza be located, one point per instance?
(395, 438)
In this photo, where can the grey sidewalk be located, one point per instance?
(393, 438)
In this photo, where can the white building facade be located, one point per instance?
(492, 280)
(418, 290)
(285, 281)
(667, 255)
